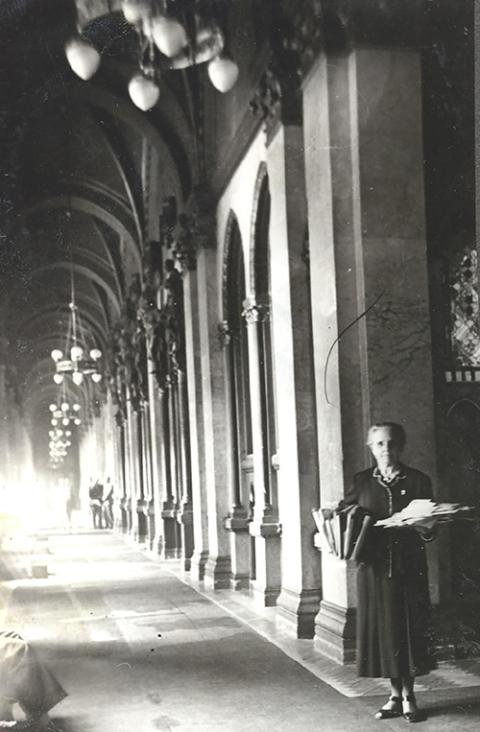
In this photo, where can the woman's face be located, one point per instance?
(385, 446)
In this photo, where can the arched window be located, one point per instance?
(234, 297)
(262, 284)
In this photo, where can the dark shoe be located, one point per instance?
(396, 710)
(415, 715)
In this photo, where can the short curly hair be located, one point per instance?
(396, 429)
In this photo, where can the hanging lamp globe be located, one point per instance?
(96, 377)
(143, 91)
(168, 35)
(223, 73)
(77, 377)
(58, 378)
(134, 11)
(76, 353)
(82, 57)
(57, 354)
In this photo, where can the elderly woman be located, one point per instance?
(24, 680)
(393, 617)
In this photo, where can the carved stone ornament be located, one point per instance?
(255, 312)
(278, 98)
(224, 334)
(185, 245)
(308, 25)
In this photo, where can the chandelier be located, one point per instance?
(76, 360)
(63, 417)
(172, 34)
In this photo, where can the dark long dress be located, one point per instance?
(393, 613)
(24, 679)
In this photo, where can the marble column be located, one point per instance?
(185, 510)
(214, 422)
(157, 447)
(138, 527)
(195, 413)
(147, 474)
(364, 173)
(238, 519)
(171, 547)
(265, 526)
(297, 463)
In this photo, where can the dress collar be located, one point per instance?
(400, 475)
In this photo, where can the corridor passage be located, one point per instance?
(138, 650)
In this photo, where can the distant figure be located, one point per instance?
(95, 493)
(107, 504)
(24, 680)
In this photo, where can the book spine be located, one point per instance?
(367, 520)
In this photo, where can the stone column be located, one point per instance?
(147, 474)
(195, 413)
(136, 492)
(171, 547)
(238, 519)
(157, 447)
(214, 423)
(185, 511)
(129, 501)
(264, 527)
(297, 464)
(364, 173)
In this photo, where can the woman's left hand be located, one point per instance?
(426, 528)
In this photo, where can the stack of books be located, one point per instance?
(342, 532)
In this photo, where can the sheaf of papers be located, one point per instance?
(423, 509)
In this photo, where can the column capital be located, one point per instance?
(190, 230)
(255, 312)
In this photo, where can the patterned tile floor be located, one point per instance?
(241, 605)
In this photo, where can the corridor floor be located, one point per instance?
(139, 650)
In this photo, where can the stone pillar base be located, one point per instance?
(185, 527)
(197, 565)
(299, 610)
(266, 596)
(171, 545)
(218, 573)
(141, 528)
(267, 583)
(151, 525)
(237, 522)
(335, 632)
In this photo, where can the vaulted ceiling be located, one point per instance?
(76, 162)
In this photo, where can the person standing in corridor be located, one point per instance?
(393, 615)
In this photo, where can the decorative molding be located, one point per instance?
(462, 375)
